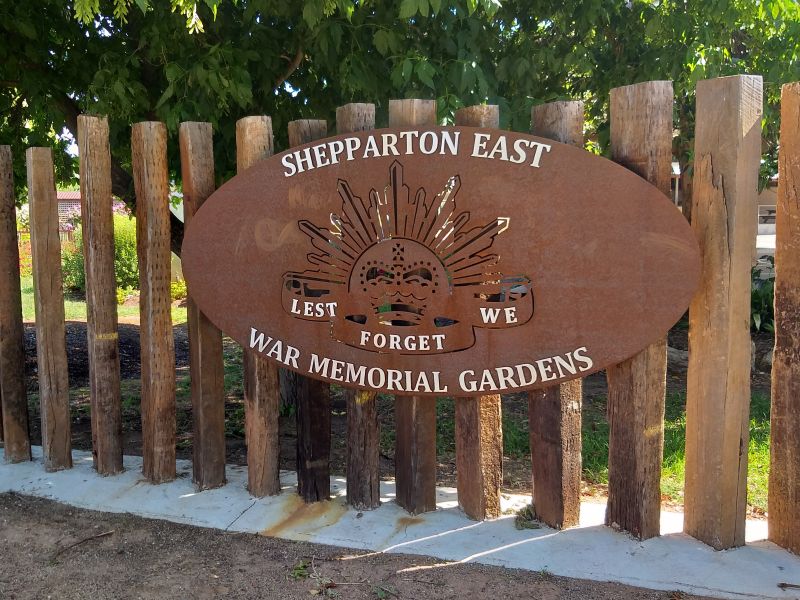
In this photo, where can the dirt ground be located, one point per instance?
(49, 550)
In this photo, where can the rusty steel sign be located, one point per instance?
(454, 261)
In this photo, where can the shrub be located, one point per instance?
(123, 294)
(177, 289)
(24, 218)
(762, 297)
(25, 258)
(125, 261)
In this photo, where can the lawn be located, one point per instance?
(516, 443)
(595, 448)
(75, 307)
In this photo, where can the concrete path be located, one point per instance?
(672, 562)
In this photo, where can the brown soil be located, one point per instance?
(51, 550)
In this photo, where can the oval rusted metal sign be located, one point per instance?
(454, 261)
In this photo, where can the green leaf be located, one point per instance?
(408, 8)
(472, 5)
(408, 68)
(119, 89)
(381, 41)
(346, 8)
(436, 6)
(165, 96)
(172, 72)
(143, 5)
(425, 73)
(491, 7)
(422, 6)
(26, 29)
(653, 27)
(313, 11)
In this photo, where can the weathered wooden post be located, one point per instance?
(262, 394)
(48, 291)
(641, 140)
(13, 393)
(101, 299)
(415, 416)
(724, 217)
(784, 473)
(313, 395)
(554, 413)
(151, 182)
(205, 340)
(363, 429)
(479, 421)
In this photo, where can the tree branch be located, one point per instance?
(121, 180)
(293, 64)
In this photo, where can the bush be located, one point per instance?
(123, 294)
(25, 259)
(177, 289)
(762, 297)
(126, 266)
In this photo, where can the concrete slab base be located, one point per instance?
(673, 561)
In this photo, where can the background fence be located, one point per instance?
(724, 217)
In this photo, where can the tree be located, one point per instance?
(219, 60)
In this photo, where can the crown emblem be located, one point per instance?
(405, 272)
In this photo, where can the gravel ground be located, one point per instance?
(50, 550)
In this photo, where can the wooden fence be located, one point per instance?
(724, 215)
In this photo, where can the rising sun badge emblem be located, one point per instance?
(405, 273)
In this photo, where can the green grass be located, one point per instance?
(516, 443)
(595, 448)
(75, 307)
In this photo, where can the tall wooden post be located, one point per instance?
(313, 396)
(151, 182)
(363, 428)
(101, 299)
(48, 292)
(205, 340)
(415, 416)
(554, 413)
(784, 473)
(479, 421)
(13, 393)
(724, 216)
(262, 394)
(641, 140)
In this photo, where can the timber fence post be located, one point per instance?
(151, 181)
(724, 217)
(641, 140)
(554, 413)
(101, 299)
(363, 429)
(48, 290)
(13, 393)
(479, 421)
(415, 416)
(313, 395)
(205, 340)
(262, 394)
(784, 473)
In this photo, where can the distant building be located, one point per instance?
(69, 206)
